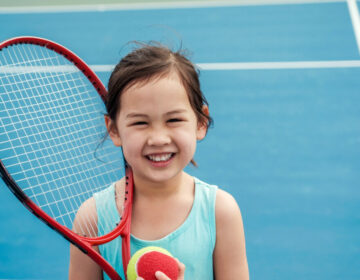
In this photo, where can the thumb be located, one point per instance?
(161, 276)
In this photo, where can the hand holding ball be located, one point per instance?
(145, 262)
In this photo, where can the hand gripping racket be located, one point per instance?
(51, 124)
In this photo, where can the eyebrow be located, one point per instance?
(178, 111)
(139, 115)
(135, 115)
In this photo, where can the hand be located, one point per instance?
(161, 276)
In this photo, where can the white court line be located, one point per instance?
(153, 6)
(355, 19)
(259, 65)
(38, 69)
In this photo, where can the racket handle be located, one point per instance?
(125, 252)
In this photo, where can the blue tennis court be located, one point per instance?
(283, 85)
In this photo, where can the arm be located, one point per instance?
(230, 254)
(81, 266)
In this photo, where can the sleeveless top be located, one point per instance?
(192, 243)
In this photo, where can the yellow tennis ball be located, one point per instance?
(145, 262)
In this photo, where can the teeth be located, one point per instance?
(157, 158)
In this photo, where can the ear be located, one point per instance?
(202, 125)
(112, 130)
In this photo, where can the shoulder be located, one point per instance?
(86, 219)
(85, 222)
(226, 207)
(230, 253)
(224, 203)
(229, 223)
(88, 207)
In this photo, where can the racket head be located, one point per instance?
(52, 126)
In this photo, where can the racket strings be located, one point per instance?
(52, 125)
(43, 199)
(89, 228)
(42, 193)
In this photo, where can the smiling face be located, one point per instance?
(157, 128)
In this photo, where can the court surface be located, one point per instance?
(286, 139)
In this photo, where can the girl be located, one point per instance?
(156, 112)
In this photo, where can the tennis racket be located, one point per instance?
(51, 124)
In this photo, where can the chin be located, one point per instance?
(160, 176)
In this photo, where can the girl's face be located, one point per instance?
(157, 128)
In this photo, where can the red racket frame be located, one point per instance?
(83, 243)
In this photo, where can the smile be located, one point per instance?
(160, 157)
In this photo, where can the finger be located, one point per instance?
(181, 269)
(161, 276)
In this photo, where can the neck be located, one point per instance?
(160, 190)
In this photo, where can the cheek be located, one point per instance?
(131, 145)
(186, 140)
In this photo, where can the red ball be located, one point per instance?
(153, 261)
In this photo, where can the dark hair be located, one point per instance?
(153, 60)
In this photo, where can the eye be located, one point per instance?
(139, 123)
(174, 120)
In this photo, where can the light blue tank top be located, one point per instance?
(192, 243)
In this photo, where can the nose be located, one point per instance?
(158, 136)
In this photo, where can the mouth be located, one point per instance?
(160, 158)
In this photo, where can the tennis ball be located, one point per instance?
(145, 262)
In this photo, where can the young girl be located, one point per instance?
(156, 112)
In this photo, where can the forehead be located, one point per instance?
(156, 93)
